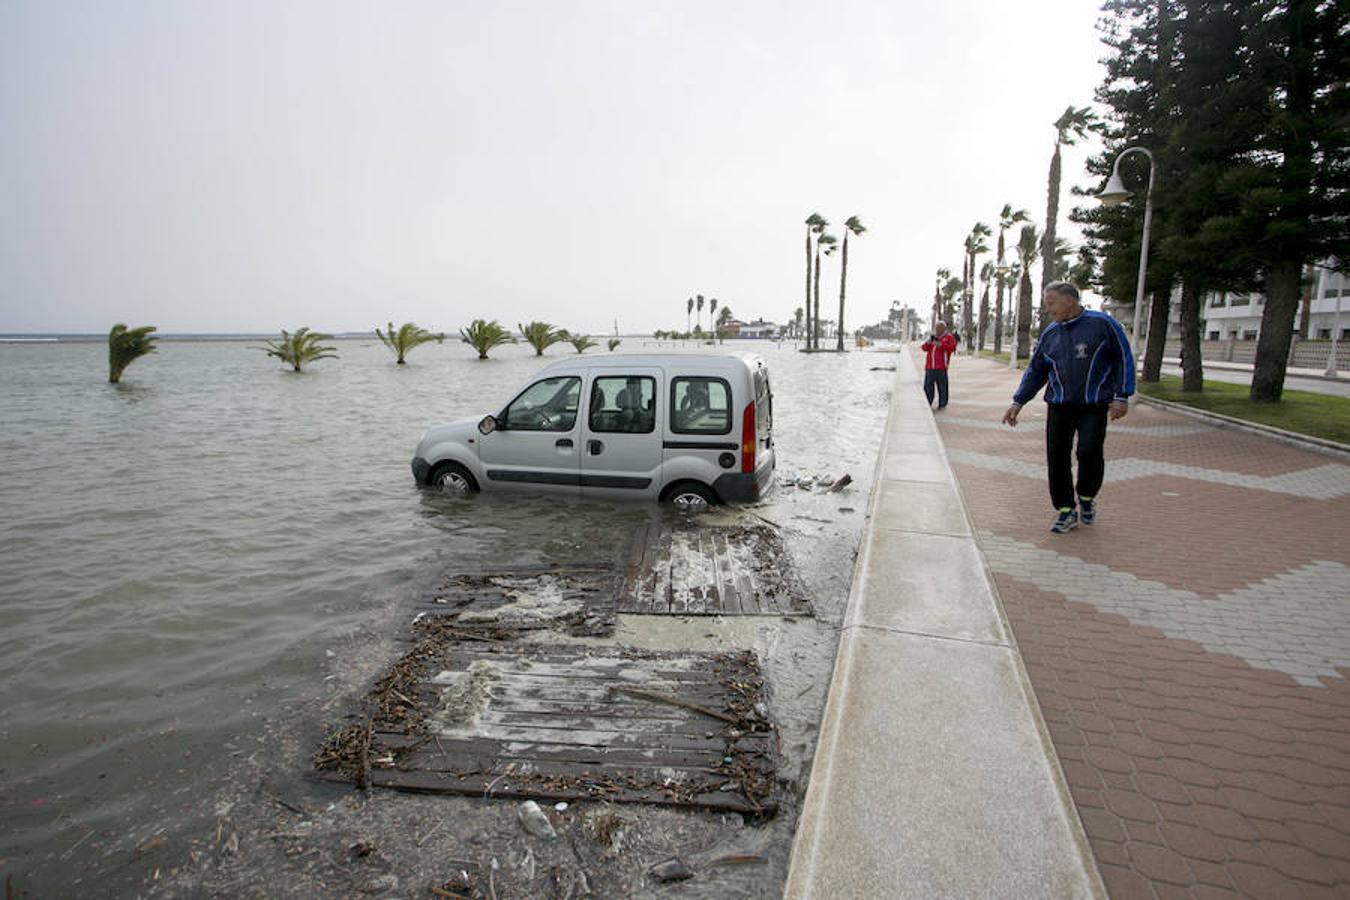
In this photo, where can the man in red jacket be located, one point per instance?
(940, 346)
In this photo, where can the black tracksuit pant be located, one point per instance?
(1062, 422)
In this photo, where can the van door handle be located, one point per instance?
(595, 448)
(563, 442)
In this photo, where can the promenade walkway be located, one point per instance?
(1190, 653)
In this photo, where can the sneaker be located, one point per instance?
(1067, 520)
(1087, 510)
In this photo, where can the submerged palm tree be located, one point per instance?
(826, 244)
(853, 225)
(541, 336)
(127, 345)
(1072, 125)
(815, 225)
(582, 342)
(406, 338)
(613, 343)
(483, 335)
(974, 246)
(1006, 219)
(300, 348)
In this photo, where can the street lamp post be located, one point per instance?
(1115, 194)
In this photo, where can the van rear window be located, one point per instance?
(700, 406)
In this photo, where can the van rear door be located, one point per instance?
(621, 444)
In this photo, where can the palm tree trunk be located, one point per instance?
(1192, 367)
(1277, 330)
(815, 331)
(984, 318)
(808, 286)
(968, 301)
(1051, 215)
(843, 280)
(1024, 317)
(1308, 287)
(998, 315)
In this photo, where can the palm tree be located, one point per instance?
(1027, 246)
(1074, 124)
(1013, 279)
(722, 319)
(854, 225)
(540, 336)
(982, 329)
(582, 342)
(829, 241)
(943, 275)
(483, 335)
(698, 307)
(975, 245)
(406, 338)
(950, 290)
(300, 348)
(1007, 218)
(126, 345)
(613, 343)
(712, 315)
(815, 224)
(797, 321)
(688, 311)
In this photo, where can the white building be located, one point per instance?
(1233, 315)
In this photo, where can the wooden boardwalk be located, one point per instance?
(562, 722)
(578, 600)
(700, 570)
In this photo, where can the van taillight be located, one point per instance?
(748, 439)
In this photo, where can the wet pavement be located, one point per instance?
(1190, 651)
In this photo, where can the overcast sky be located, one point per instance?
(252, 166)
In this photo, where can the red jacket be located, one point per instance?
(939, 352)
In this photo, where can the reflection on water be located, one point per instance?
(183, 550)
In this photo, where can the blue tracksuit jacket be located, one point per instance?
(1086, 360)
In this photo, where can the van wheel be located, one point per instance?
(690, 496)
(452, 478)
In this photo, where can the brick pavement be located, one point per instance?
(1190, 652)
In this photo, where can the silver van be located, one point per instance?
(687, 429)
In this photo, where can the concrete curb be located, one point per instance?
(934, 776)
(1322, 445)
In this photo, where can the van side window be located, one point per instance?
(700, 406)
(548, 405)
(624, 404)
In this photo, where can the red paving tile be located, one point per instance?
(1196, 773)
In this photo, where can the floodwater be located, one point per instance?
(206, 566)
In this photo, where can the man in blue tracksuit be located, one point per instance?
(1085, 358)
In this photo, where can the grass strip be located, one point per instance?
(1302, 412)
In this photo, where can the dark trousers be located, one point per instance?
(935, 378)
(1062, 422)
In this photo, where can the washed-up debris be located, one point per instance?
(683, 569)
(844, 481)
(882, 369)
(534, 821)
(739, 859)
(540, 722)
(671, 870)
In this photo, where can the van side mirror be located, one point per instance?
(487, 425)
